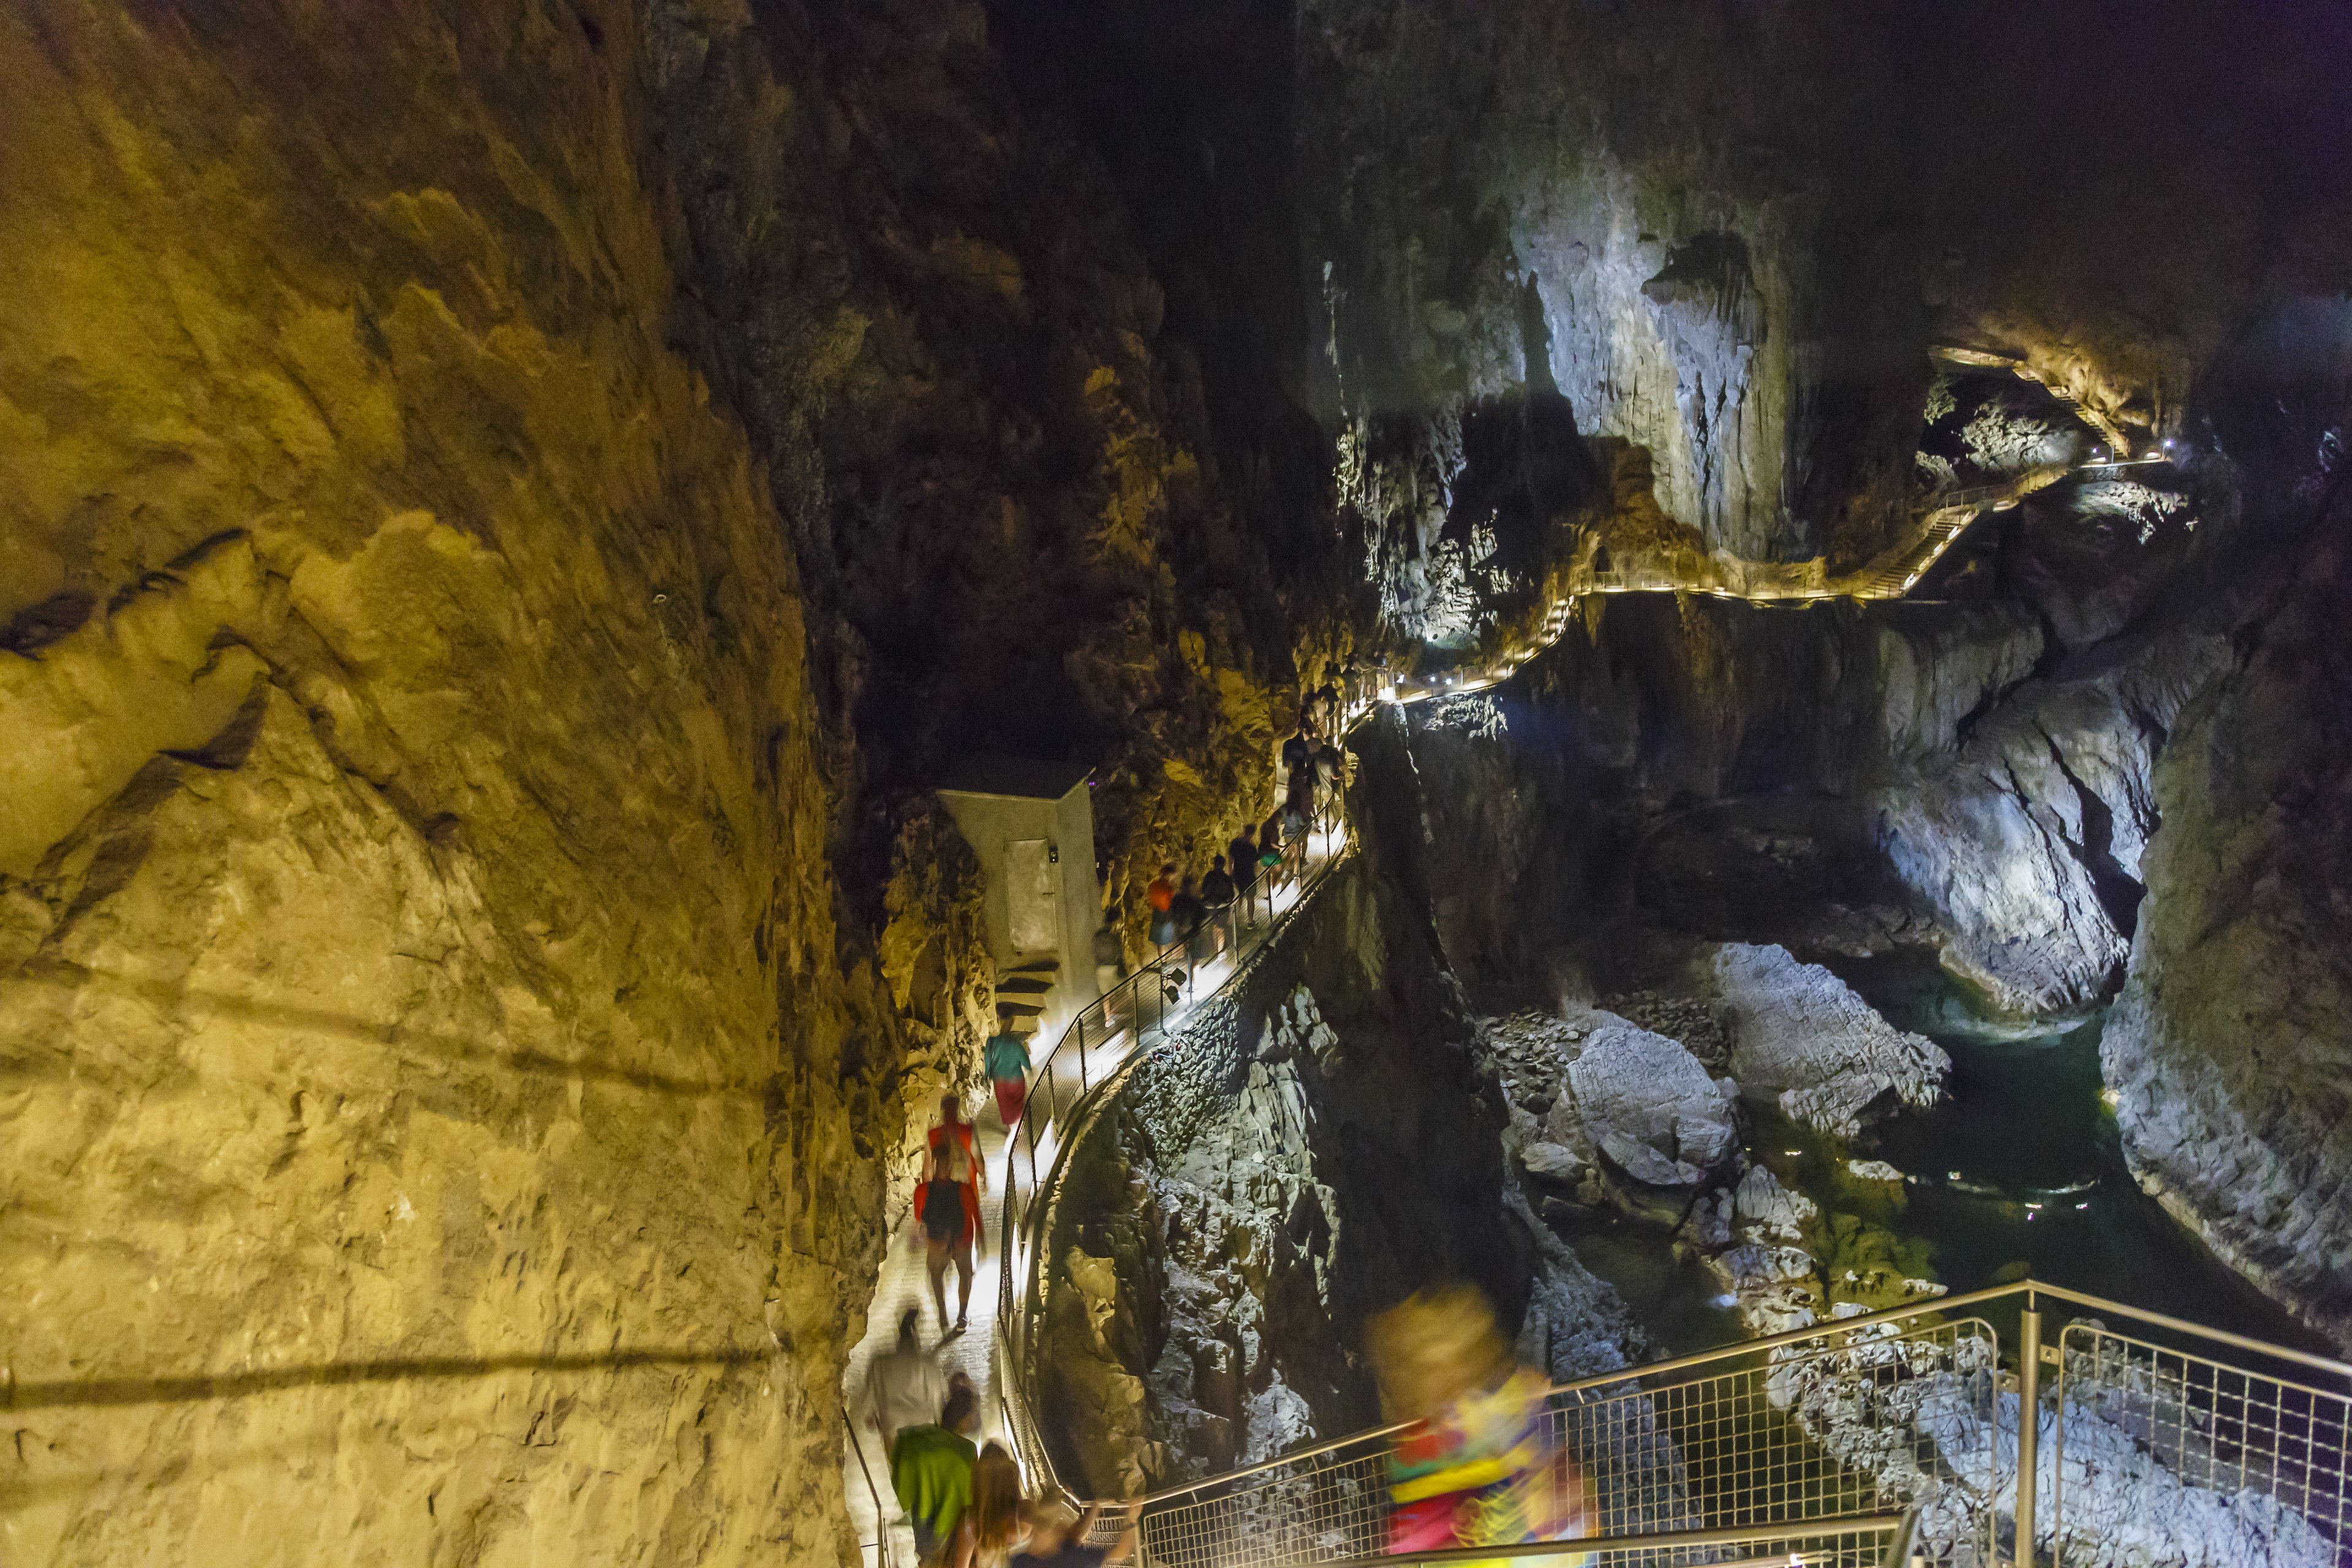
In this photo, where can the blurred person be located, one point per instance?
(1192, 928)
(904, 1385)
(1056, 1535)
(1007, 1057)
(1110, 952)
(949, 1228)
(1217, 892)
(1298, 750)
(1241, 855)
(932, 1469)
(1477, 1466)
(1269, 856)
(1161, 896)
(995, 1528)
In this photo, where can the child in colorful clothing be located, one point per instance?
(1480, 1465)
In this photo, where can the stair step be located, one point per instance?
(1021, 1009)
(1024, 985)
(1038, 966)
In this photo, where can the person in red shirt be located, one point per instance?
(1160, 895)
(955, 1157)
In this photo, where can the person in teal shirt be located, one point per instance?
(932, 1472)
(1006, 1057)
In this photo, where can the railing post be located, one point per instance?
(1082, 1051)
(2029, 1423)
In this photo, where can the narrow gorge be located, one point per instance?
(559, 559)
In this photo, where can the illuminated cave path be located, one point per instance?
(904, 1281)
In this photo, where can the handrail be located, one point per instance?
(2027, 1289)
(1013, 1368)
(1658, 1540)
(2182, 1325)
(883, 1556)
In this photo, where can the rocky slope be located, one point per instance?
(1315, 1145)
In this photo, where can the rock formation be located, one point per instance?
(469, 930)
(1799, 1030)
(442, 1116)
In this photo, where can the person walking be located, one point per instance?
(1110, 952)
(1242, 856)
(1192, 917)
(1056, 1537)
(1328, 767)
(1270, 858)
(948, 1232)
(1006, 1057)
(1160, 896)
(1298, 751)
(998, 1531)
(932, 1469)
(904, 1386)
(953, 1140)
(1217, 894)
(1297, 812)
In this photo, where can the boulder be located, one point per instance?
(1649, 1105)
(1769, 1211)
(1799, 1032)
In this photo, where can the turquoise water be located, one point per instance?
(2022, 1168)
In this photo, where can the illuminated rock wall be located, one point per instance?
(438, 1125)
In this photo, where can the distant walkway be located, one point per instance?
(1136, 1014)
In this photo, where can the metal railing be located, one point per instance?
(1808, 1442)
(1164, 986)
(1786, 1440)
(883, 1556)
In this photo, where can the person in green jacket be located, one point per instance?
(931, 1470)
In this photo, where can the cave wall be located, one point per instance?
(995, 464)
(446, 1120)
(1728, 233)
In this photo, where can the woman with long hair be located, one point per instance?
(996, 1526)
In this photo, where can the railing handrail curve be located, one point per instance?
(1307, 878)
(2027, 1289)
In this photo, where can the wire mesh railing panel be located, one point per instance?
(2196, 1460)
(1824, 1547)
(1786, 1441)
(1849, 1424)
(1328, 1507)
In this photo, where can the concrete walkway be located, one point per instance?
(1060, 1077)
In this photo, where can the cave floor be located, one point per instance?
(903, 1282)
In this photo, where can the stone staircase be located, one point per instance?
(1025, 993)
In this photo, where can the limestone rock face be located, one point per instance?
(441, 1125)
(2026, 846)
(1318, 1143)
(1800, 1031)
(2228, 1048)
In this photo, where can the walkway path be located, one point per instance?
(1077, 1061)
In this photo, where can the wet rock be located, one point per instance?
(1769, 1211)
(1649, 1106)
(1554, 1162)
(2230, 1050)
(1801, 1032)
